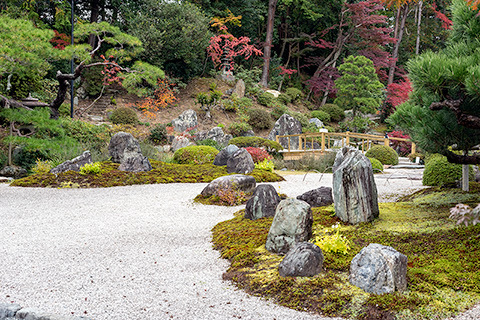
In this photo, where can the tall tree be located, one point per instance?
(267, 47)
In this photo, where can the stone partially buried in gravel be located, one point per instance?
(222, 157)
(379, 269)
(305, 259)
(263, 202)
(237, 182)
(240, 162)
(75, 164)
(292, 224)
(318, 197)
(8, 310)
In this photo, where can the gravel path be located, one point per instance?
(139, 252)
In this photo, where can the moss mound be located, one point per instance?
(162, 172)
(195, 155)
(124, 115)
(384, 154)
(377, 166)
(440, 172)
(443, 277)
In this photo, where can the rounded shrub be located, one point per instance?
(384, 154)
(259, 119)
(195, 155)
(320, 115)
(439, 172)
(124, 115)
(158, 134)
(236, 129)
(377, 166)
(336, 113)
(265, 98)
(258, 154)
(278, 111)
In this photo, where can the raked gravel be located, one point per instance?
(137, 252)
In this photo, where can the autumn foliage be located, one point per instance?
(162, 98)
(258, 154)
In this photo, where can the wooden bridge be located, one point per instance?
(317, 143)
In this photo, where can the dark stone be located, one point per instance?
(222, 157)
(305, 259)
(123, 145)
(292, 224)
(13, 172)
(379, 269)
(354, 188)
(75, 164)
(248, 133)
(240, 162)
(237, 182)
(318, 197)
(263, 202)
(135, 164)
(286, 125)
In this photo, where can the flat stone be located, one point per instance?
(318, 197)
(236, 181)
(75, 164)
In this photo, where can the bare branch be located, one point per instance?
(463, 159)
(7, 103)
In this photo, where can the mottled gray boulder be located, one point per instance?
(318, 197)
(222, 157)
(122, 146)
(354, 188)
(248, 133)
(318, 123)
(286, 125)
(379, 269)
(239, 88)
(35, 314)
(263, 202)
(8, 310)
(305, 259)
(236, 182)
(15, 172)
(75, 164)
(138, 163)
(217, 134)
(240, 162)
(181, 142)
(292, 224)
(188, 119)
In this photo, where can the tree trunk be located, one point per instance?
(419, 22)
(401, 29)
(95, 12)
(267, 47)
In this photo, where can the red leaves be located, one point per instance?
(258, 154)
(60, 40)
(110, 71)
(397, 93)
(446, 22)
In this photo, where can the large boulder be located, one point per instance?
(14, 172)
(188, 119)
(318, 123)
(75, 164)
(181, 142)
(239, 88)
(216, 134)
(222, 157)
(263, 202)
(123, 145)
(292, 224)
(286, 125)
(240, 162)
(237, 182)
(305, 259)
(138, 163)
(379, 269)
(354, 188)
(318, 197)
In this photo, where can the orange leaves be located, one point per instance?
(162, 98)
(397, 3)
(474, 3)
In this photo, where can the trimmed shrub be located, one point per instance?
(236, 129)
(195, 155)
(269, 145)
(320, 115)
(336, 113)
(440, 172)
(258, 154)
(278, 111)
(158, 134)
(265, 99)
(377, 166)
(124, 116)
(293, 93)
(384, 154)
(259, 119)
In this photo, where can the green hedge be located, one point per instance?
(439, 172)
(377, 166)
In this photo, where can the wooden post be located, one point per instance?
(347, 139)
(414, 147)
(323, 142)
(386, 142)
(465, 182)
(289, 144)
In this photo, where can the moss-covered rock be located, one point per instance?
(384, 154)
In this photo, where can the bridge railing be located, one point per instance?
(322, 141)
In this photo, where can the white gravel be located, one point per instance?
(138, 252)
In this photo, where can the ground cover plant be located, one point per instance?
(109, 176)
(443, 258)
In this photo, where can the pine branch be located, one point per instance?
(463, 119)
(463, 159)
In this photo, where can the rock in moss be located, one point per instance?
(240, 162)
(318, 197)
(237, 182)
(303, 260)
(263, 202)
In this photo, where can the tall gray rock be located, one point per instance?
(222, 157)
(125, 149)
(379, 269)
(305, 259)
(240, 162)
(239, 88)
(75, 164)
(263, 202)
(286, 125)
(292, 224)
(188, 119)
(354, 188)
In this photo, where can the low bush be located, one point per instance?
(195, 155)
(377, 166)
(237, 129)
(320, 115)
(440, 172)
(259, 119)
(158, 134)
(209, 142)
(278, 111)
(124, 115)
(269, 145)
(294, 94)
(234, 103)
(265, 99)
(266, 165)
(336, 113)
(384, 154)
(258, 154)
(91, 168)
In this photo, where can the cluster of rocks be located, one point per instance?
(13, 311)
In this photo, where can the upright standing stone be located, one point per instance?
(240, 162)
(354, 188)
(222, 157)
(125, 149)
(292, 224)
(379, 269)
(286, 125)
(263, 202)
(239, 88)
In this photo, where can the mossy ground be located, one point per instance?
(110, 176)
(443, 264)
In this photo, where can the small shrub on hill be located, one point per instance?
(158, 134)
(236, 129)
(336, 113)
(259, 119)
(278, 111)
(294, 94)
(265, 99)
(269, 145)
(124, 116)
(195, 155)
(384, 154)
(320, 115)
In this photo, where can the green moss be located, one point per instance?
(377, 166)
(195, 155)
(443, 275)
(384, 154)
